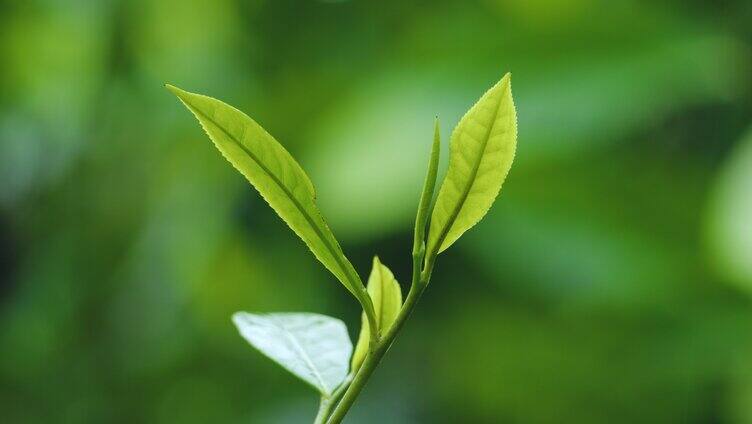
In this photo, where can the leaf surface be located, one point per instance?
(314, 347)
(481, 150)
(386, 296)
(275, 174)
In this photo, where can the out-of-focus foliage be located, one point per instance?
(609, 283)
(731, 216)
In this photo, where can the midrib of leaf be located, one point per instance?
(297, 204)
(471, 181)
(304, 354)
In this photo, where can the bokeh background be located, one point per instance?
(611, 282)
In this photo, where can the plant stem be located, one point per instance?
(327, 403)
(421, 275)
(325, 407)
(374, 357)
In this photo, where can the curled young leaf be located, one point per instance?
(481, 150)
(314, 347)
(427, 194)
(386, 296)
(277, 177)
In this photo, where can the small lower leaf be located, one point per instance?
(316, 348)
(386, 296)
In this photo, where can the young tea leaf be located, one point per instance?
(314, 347)
(277, 177)
(428, 187)
(481, 150)
(386, 296)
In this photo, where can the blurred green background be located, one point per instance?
(611, 282)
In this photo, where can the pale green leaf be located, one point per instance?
(275, 174)
(481, 148)
(386, 296)
(316, 348)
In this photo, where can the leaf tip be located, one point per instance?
(506, 80)
(176, 91)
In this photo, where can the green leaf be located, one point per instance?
(428, 186)
(481, 151)
(314, 347)
(386, 296)
(277, 177)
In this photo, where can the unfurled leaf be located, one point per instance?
(481, 148)
(314, 347)
(386, 296)
(275, 174)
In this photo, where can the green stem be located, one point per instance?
(421, 276)
(325, 406)
(327, 403)
(374, 357)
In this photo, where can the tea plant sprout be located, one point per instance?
(317, 348)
